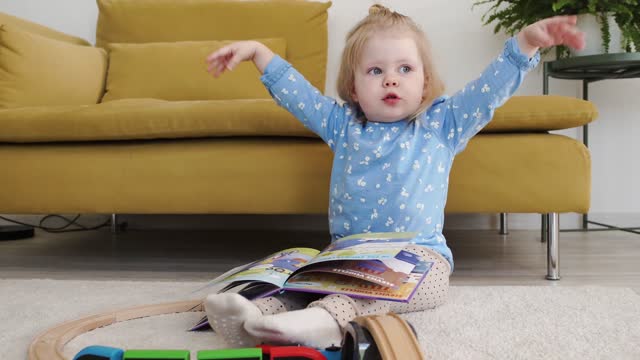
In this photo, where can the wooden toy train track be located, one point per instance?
(386, 337)
(49, 345)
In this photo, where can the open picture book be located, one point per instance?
(369, 265)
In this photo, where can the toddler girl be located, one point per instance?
(394, 140)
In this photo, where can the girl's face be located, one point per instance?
(389, 79)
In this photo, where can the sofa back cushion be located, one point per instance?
(40, 29)
(303, 24)
(38, 71)
(177, 71)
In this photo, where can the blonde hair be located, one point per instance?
(379, 18)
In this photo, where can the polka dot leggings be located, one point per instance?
(432, 292)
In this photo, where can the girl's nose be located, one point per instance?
(390, 82)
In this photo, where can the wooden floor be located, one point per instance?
(608, 258)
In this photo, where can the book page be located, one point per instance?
(388, 272)
(368, 246)
(329, 283)
(273, 269)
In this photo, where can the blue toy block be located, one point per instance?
(97, 352)
(332, 353)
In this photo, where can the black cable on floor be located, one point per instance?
(63, 228)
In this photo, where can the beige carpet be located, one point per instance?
(555, 322)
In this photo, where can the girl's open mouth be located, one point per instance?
(391, 99)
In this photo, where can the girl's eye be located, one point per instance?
(405, 69)
(375, 71)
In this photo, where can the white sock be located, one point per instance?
(227, 314)
(313, 327)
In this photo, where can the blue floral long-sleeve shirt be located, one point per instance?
(394, 176)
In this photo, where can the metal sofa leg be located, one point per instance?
(544, 228)
(503, 224)
(114, 224)
(553, 237)
(117, 227)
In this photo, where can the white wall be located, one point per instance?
(461, 52)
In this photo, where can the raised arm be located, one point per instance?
(321, 114)
(227, 57)
(463, 115)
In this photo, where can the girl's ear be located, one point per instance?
(354, 96)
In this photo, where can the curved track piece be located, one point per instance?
(394, 338)
(49, 345)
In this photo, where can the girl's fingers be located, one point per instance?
(220, 52)
(220, 69)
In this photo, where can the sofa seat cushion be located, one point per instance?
(132, 119)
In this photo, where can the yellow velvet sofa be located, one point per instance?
(135, 125)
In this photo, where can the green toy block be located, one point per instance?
(235, 354)
(156, 355)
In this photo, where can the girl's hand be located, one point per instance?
(228, 57)
(557, 30)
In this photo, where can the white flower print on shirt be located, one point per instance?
(389, 222)
(451, 134)
(292, 78)
(361, 182)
